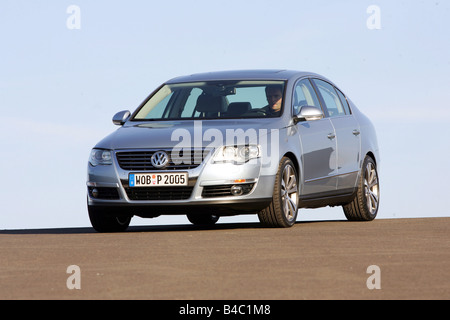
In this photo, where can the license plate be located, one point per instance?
(157, 179)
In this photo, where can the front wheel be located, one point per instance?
(282, 211)
(364, 206)
(105, 221)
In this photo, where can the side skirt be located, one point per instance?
(323, 199)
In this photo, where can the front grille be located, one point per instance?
(159, 193)
(225, 190)
(141, 160)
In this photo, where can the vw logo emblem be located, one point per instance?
(159, 159)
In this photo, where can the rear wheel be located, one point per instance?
(203, 219)
(364, 206)
(103, 220)
(282, 211)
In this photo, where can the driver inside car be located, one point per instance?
(274, 95)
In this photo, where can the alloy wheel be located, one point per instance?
(371, 188)
(289, 193)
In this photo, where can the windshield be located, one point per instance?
(214, 100)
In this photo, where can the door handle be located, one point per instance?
(356, 132)
(331, 136)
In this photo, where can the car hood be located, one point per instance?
(188, 133)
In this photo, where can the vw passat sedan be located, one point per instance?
(264, 142)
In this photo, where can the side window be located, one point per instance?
(330, 97)
(344, 101)
(304, 94)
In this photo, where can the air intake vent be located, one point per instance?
(226, 190)
(159, 193)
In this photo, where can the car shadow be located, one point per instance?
(155, 228)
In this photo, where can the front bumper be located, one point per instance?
(208, 190)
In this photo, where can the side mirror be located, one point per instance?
(308, 113)
(121, 117)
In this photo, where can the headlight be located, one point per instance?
(100, 156)
(239, 154)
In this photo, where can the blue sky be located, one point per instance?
(60, 87)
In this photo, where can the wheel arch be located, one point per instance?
(294, 159)
(372, 155)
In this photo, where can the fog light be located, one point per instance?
(236, 190)
(95, 192)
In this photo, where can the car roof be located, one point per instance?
(262, 74)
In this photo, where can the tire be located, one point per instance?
(103, 220)
(364, 206)
(203, 219)
(282, 211)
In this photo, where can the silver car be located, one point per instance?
(264, 142)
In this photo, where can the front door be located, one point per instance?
(318, 140)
